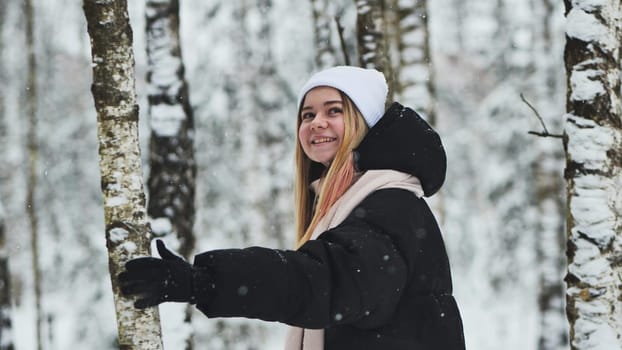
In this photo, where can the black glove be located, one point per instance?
(156, 280)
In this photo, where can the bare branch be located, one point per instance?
(534, 111)
(342, 40)
(546, 132)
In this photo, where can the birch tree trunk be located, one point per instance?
(31, 208)
(371, 28)
(322, 23)
(549, 253)
(593, 145)
(549, 183)
(413, 83)
(6, 328)
(413, 71)
(172, 179)
(127, 230)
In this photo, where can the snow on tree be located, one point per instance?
(323, 22)
(172, 177)
(6, 326)
(413, 71)
(548, 92)
(370, 26)
(371, 36)
(172, 164)
(593, 145)
(127, 230)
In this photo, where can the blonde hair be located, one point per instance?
(335, 181)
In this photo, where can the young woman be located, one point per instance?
(370, 270)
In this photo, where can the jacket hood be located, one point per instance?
(403, 141)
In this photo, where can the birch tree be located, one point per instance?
(6, 328)
(413, 70)
(593, 146)
(31, 207)
(549, 250)
(172, 177)
(173, 168)
(127, 230)
(548, 181)
(322, 11)
(6, 331)
(371, 28)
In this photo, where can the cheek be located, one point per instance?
(340, 129)
(303, 134)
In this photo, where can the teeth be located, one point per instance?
(322, 140)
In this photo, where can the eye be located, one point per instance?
(307, 115)
(335, 110)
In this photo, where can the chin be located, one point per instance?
(324, 161)
(323, 158)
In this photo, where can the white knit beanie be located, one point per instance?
(367, 88)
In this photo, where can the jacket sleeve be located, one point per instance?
(352, 274)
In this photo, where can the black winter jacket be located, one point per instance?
(379, 280)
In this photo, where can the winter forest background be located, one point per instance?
(501, 208)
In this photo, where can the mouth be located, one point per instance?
(323, 140)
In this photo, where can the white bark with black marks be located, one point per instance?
(370, 27)
(323, 23)
(413, 71)
(172, 178)
(6, 326)
(127, 230)
(593, 145)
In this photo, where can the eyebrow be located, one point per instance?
(325, 104)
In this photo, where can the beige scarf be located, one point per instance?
(370, 181)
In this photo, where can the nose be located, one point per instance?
(319, 122)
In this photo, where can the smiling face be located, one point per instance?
(321, 124)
